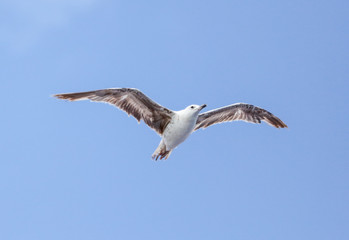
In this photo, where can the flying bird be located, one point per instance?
(173, 126)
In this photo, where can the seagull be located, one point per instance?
(173, 126)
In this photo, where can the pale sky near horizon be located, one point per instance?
(83, 170)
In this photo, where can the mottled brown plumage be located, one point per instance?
(238, 111)
(132, 101)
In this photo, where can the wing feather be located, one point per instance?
(236, 112)
(130, 100)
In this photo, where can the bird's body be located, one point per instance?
(173, 126)
(178, 130)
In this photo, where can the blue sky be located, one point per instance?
(83, 170)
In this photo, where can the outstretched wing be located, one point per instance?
(130, 100)
(235, 112)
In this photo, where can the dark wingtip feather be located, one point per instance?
(284, 125)
(73, 96)
(274, 121)
(279, 123)
(59, 96)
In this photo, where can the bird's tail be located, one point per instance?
(161, 152)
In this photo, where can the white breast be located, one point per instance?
(178, 130)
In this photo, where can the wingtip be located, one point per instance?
(60, 96)
(282, 125)
(68, 96)
(56, 96)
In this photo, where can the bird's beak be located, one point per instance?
(203, 106)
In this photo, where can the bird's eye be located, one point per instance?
(192, 107)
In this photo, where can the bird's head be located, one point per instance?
(194, 109)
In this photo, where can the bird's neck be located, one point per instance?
(186, 116)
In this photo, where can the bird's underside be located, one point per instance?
(157, 117)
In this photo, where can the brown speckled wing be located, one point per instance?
(235, 112)
(130, 100)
